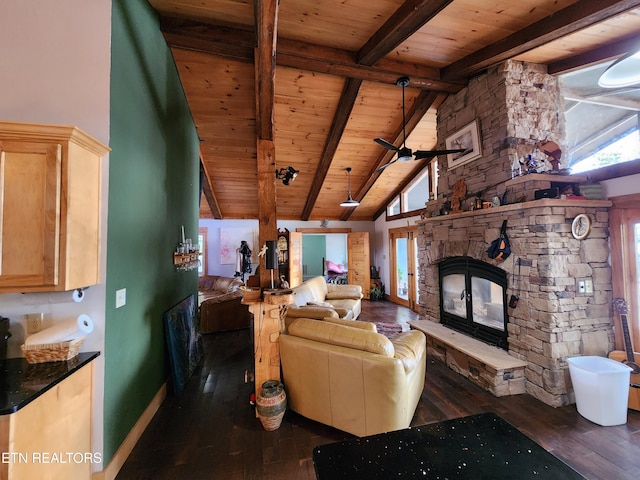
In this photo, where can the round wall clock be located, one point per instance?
(581, 226)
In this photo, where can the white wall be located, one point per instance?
(55, 68)
(213, 237)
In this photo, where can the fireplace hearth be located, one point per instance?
(473, 299)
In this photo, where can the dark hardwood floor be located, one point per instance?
(211, 431)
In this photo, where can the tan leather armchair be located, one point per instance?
(352, 379)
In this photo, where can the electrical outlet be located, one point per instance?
(581, 286)
(34, 322)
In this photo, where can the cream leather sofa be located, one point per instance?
(344, 374)
(314, 298)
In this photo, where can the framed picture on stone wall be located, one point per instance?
(468, 137)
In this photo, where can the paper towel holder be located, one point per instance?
(76, 295)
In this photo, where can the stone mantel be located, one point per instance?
(516, 207)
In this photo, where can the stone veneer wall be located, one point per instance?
(516, 105)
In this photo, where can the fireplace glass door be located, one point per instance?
(473, 299)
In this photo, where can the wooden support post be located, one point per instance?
(267, 214)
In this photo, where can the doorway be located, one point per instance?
(624, 227)
(314, 248)
(404, 266)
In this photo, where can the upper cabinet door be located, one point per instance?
(29, 213)
(50, 186)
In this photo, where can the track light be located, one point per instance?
(349, 202)
(287, 175)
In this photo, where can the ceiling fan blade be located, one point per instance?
(386, 144)
(421, 154)
(379, 169)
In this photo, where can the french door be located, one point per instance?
(404, 267)
(624, 227)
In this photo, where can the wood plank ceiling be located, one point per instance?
(333, 87)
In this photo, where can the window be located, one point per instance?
(417, 193)
(394, 207)
(601, 123)
(202, 245)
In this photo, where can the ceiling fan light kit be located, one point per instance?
(405, 154)
(349, 202)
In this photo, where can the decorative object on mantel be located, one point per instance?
(459, 194)
(553, 152)
(581, 226)
(186, 255)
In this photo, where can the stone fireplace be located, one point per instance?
(516, 105)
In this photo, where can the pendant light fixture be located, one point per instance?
(349, 202)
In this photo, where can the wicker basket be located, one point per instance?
(52, 352)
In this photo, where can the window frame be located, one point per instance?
(430, 170)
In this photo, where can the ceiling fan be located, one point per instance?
(405, 154)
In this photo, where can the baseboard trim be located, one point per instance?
(130, 441)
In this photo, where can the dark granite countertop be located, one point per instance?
(482, 446)
(22, 382)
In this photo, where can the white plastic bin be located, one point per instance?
(601, 386)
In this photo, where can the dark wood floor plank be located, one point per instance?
(211, 431)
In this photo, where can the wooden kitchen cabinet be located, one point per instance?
(50, 181)
(45, 419)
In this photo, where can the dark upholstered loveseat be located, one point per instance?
(220, 304)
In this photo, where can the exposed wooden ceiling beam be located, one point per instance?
(408, 19)
(266, 12)
(600, 54)
(207, 190)
(576, 16)
(345, 106)
(239, 44)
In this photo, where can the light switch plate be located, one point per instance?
(121, 297)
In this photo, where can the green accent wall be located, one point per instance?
(153, 191)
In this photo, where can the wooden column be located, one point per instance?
(267, 214)
(268, 321)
